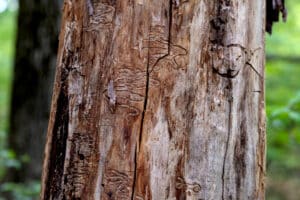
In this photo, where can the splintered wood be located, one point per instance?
(158, 100)
(274, 9)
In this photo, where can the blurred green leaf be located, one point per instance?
(19, 191)
(294, 116)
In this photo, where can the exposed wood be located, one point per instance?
(158, 100)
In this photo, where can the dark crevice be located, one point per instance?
(230, 100)
(255, 70)
(141, 126)
(148, 72)
(228, 74)
(59, 139)
(170, 25)
(134, 174)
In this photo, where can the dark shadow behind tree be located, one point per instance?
(35, 60)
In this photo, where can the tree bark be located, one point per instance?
(36, 50)
(158, 100)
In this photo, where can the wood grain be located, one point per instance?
(158, 100)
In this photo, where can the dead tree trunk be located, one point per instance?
(36, 49)
(158, 100)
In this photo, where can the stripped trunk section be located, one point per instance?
(163, 100)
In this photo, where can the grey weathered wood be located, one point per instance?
(158, 100)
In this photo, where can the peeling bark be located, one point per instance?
(158, 100)
(274, 9)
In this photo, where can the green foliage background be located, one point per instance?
(282, 100)
(283, 107)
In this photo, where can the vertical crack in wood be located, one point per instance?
(135, 172)
(218, 33)
(170, 25)
(230, 100)
(148, 72)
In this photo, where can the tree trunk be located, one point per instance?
(36, 49)
(158, 100)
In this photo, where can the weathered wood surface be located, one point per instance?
(158, 100)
